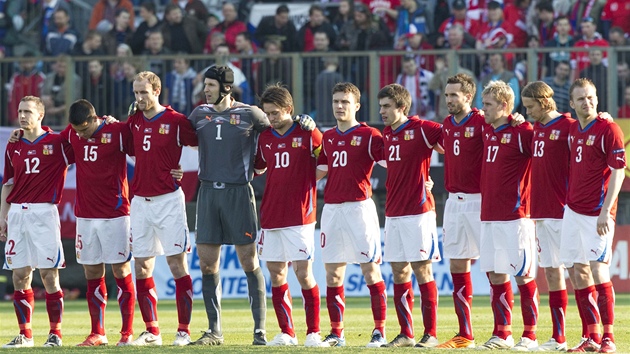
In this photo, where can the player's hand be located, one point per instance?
(306, 122)
(178, 173)
(3, 230)
(132, 109)
(15, 135)
(604, 220)
(429, 184)
(606, 115)
(517, 119)
(110, 119)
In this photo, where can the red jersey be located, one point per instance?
(102, 158)
(388, 4)
(463, 152)
(471, 26)
(290, 196)
(580, 60)
(349, 158)
(618, 13)
(23, 84)
(595, 150)
(158, 147)
(505, 172)
(550, 167)
(37, 169)
(518, 18)
(408, 152)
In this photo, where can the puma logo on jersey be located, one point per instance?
(303, 250)
(122, 254)
(17, 151)
(137, 126)
(594, 252)
(513, 266)
(620, 158)
(248, 234)
(178, 245)
(448, 131)
(365, 254)
(268, 146)
(423, 251)
(331, 140)
(50, 259)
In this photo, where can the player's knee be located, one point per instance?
(121, 270)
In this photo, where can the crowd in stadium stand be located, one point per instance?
(132, 28)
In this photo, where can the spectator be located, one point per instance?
(316, 22)
(241, 89)
(278, 27)
(345, 14)
(150, 23)
(624, 111)
(546, 28)
(416, 42)
(92, 46)
(618, 38)
(313, 66)
(11, 23)
(178, 86)
(273, 69)
(365, 32)
(28, 81)
(597, 72)
(48, 8)
(521, 67)
(155, 48)
(97, 87)
(416, 81)
(194, 8)
(455, 40)
(123, 89)
(63, 38)
(495, 22)
(560, 84)
(623, 80)
(410, 12)
(213, 40)
(54, 93)
(590, 38)
(498, 72)
(230, 26)
(212, 22)
(248, 65)
(324, 83)
(123, 54)
(516, 14)
(104, 14)
(582, 9)
(561, 40)
(181, 33)
(385, 9)
(616, 14)
(458, 16)
(438, 83)
(119, 34)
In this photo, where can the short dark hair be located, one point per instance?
(618, 30)
(282, 9)
(81, 111)
(545, 6)
(314, 8)
(398, 94)
(148, 5)
(246, 34)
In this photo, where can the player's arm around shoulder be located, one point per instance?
(259, 119)
(316, 142)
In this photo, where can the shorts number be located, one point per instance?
(79, 244)
(340, 158)
(262, 238)
(456, 147)
(539, 148)
(282, 159)
(146, 143)
(492, 153)
(11, 252)
(219, 132)
(32, 165)
(578, 158)
(394, 153)
(90, 153)
(322, 240)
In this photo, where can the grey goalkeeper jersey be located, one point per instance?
(227, 141)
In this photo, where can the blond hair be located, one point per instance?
(151, 77)
(500, 92)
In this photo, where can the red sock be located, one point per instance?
(312, 304)
(147, 300)
(127, 303)
(558, 301)
(582, 318)
(283, 305)
(429, 304)
(54, 306)
(378, 298)
(97, 301)
(502, 304)
(529, 308)
(606, 304)
(336, 304)
(24, 303)
(184, 299)
(462, 299)
(586, 297)
(403, 302)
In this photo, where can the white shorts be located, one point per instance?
(102, 240)
(350, 233)
(508, 247)
(548, 233)
(34, 237)
(295, 243)
(159, 226)
(411, 238)
(461, 232)
(580, 242)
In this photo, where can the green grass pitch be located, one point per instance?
(237, 325)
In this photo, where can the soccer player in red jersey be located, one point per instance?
(462, 133)
(158, 212)
(288, 153)
(102, 211)
(595, 176)
(350, 230)
(34, 174)
(411, 242)
(507, 235)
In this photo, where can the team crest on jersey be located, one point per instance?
(9, 261)
(78, 255)
(470, 132)
(48, 150)
(235, 119)
(164, 128)
(555, 135)
(356, 141)
(456, 134)
(148, 130)
(507, 137)
(282, 146)
(31, 152)
(106, 138)
(408, 135)
(591, 140)
(297, 142)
